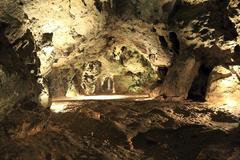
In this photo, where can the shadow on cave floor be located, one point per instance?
(117, 130)
(184, 143)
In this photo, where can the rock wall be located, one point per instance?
(209, 31)
(18, 60)
(171, 49)
(82, 32)
(224, 88)
(65, 35)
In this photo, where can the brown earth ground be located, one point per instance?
(120, 130)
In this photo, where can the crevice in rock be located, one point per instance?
(163, 42)
(84, 2)
(229, 26)
(237, 50)
(47, 38)
(174, 11)
(162, 72)
(98, 4)
(175, 46)
(153, 30)
(199, 86)
(123, 8)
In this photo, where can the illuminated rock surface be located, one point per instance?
(184, 50)
(224, 87)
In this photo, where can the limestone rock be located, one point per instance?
(59, 81)
(89, 77)
(44, 97)
(155, 11)
(206, 29)
(73, 21)
(118, 47)
(234, 13)
(178, 81)
(224, 85)
(18, 65)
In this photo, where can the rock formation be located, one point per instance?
(173, 50)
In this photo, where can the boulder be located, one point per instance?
(223, 86)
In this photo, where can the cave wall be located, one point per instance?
(19, 64)
(52, 48)
(89, 31)
(51, 41)
(210, 34)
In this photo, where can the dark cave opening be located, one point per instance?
(163, 42)
(237, 50)
(199, 86)
(47, 38)
(122, 7)
(162, 72)
(175, 42)
(98, 5)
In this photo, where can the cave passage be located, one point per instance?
(119, 80)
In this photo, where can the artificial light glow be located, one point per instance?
(51, 26)
(48, 50)
(227, 83)
(230, 102)
(100, 97)
(72, 92)
(59, 107)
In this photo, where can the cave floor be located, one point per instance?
(121, 130)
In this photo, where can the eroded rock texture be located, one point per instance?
(18, 62)
(169, 49)
(121, 131)
(82, 32)
(68, 35)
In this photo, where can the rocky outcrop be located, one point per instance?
(234, 13)
(125, 49)
(179, 79)
(18, 62)
(170, 49)
(209, 32)
(224, 86)
(85, 31)
(67, 24)
(164, 33)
